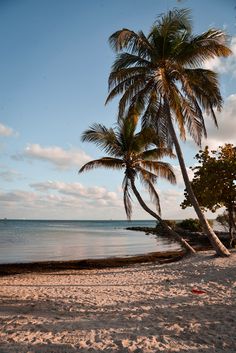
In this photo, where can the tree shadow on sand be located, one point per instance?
(137, 324)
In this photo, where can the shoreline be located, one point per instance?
(163, 257)
(112, 262)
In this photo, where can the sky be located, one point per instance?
(54, 66)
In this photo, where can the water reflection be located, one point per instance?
(27, 241)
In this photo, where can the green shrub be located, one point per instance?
(193, 225)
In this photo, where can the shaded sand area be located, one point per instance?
(185, 306)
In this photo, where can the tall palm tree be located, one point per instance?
(137, 155)
(161, 75)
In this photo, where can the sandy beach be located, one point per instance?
(185, 306)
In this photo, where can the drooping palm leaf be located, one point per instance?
(160, 169)
(148, 182)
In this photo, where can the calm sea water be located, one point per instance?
(27, 241)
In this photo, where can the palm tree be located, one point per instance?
(133, 152)
(161, 75)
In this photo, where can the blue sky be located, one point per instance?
(54, 66)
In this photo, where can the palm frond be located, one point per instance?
(105, 162)
(174, 21)
(159, 169)
(156, 153)
(150, 113)
(210, 44)
(118, 88)
(124, 75)
(126, 60)
(130, 95)
(140, 98)
(104, 138)
(188, 112)
(133, 42)
(154, 117)
(205, 86)
(126, 132)
(148, 179)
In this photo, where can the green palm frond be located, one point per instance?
(130, 95)
(148, 179)
(131, 151)
(140, 97)
(210, 44)
(160, 169)
(145, 138)
(188, 113)
(156, 153)
(103, 138)
(166, 64)
(105, 162)
(126, 39)
(176, 20)
(120, 85)
(126, 60)
(205, 86)
(125, 76)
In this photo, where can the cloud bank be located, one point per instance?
(60, 200)
(59, 157)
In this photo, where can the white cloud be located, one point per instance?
(9, 174)
(227, 125)
(6, 131)
(58, 156)
(59, 200)
(224, 65)
(76, 190)
(17, 196)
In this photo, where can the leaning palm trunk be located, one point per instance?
(220, 249)
(169, 231)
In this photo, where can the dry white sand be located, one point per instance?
(140, 308)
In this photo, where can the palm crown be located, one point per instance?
(136, 153)
(161, 74)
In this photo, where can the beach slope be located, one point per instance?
(185, 306)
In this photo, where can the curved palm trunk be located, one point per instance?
(220, 249)
(170, 231)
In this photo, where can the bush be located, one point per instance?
(193, 225)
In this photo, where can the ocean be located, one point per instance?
(24, 241)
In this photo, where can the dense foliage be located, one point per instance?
(214, 181)
(193, 225)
